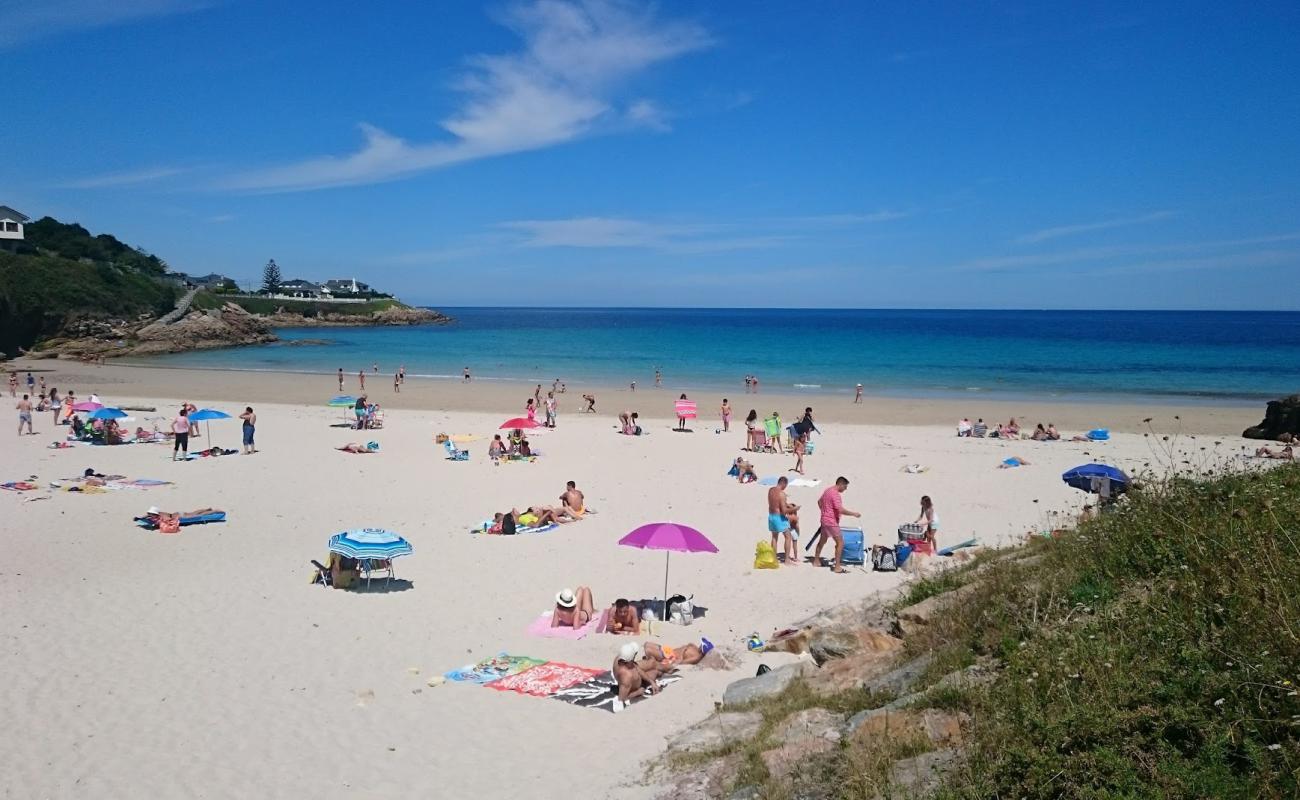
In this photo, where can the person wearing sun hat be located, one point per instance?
(634, 674)
(573, 607)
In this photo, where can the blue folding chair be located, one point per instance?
(455, 454)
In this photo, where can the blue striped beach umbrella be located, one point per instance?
(107, 413)
(369, 543)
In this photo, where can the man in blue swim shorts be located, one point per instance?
(779, 512)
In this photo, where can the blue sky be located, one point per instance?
(988, 155)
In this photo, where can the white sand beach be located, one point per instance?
(207, 664)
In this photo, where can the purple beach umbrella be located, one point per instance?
(668, 536)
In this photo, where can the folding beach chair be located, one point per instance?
(454, 454)
(377, 419)
(761, 443)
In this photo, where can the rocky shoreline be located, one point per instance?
(227, 326)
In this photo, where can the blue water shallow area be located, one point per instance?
(1189, 355)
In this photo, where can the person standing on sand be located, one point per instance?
(340, 379)
(831, 504)
(56, 403)
(401, 373)
(659, 378)
(530, 410)
(800, 448)
(42, 384)
(250, 428)
(591, 403)
(726, 416)
(397, 382)
(13, 383)
(550, 409)
(634, 386)
(361, 378)
(779, 510)
(31, 384)
(181, 428)
(857, 397)
(24, 407)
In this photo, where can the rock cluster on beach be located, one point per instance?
(853, 647)
(1281, 416)
(227, 326)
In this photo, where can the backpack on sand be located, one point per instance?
(884, 559)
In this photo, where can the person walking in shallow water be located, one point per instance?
(857, 396)
(340, 379)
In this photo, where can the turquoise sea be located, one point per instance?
(1120, 355)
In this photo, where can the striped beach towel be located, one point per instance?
(685, 409)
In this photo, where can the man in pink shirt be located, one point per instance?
(181, 428)
(832, 507)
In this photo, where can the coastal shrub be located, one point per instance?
(1154, 652)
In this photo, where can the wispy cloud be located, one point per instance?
(218, 219)
(1097, 256)
(565, 83)
(124, 178)
(22, 22)
(605, 232)
(1090, 227)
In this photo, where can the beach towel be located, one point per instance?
(804, 482)
(490, 669)
(601, 691)
(544, 680)
(486, 524)
(913, 469)
(542, 627)
(18, 486)
(201, 519)
(685, 409)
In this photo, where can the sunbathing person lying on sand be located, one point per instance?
(669, 658)
(573, 608)
(357, 447)
(623, 618)
(1286, 454)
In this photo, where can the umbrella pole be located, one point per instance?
(667, 553)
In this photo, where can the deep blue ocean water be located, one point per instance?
(1217, 355)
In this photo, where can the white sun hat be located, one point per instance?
(630, 651)
(565, 598)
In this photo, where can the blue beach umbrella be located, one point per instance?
(370, 544)
(107, 413)
(206, 414)
(1087, 476)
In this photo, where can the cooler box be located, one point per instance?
(854, 546)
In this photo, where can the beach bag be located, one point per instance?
(681, 609)
(169, 523)
(884, 559)
(765, 556)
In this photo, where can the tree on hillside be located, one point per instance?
(271, 279)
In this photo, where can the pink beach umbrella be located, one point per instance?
(668, 536)
(519, 422)
(87, 405)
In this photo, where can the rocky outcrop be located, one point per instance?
(1280, 417)
(228, 326)
(393, 315)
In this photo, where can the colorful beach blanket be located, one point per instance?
(601, 691)
(18, 486)
(490, 669)
(544, 680)
(542, 627)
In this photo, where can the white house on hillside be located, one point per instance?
(299, 288)
(11, 224)
(348, 286)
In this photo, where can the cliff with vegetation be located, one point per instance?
(64, 292)
(1152, 652)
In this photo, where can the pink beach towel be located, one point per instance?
(685, 409)
(545, 680)
(542, 627)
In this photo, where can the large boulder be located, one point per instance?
(765, 685)
(1281, 416)
(717, 731)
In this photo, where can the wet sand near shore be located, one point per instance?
(248, 387)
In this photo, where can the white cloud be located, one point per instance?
(1098, 255)
(124, 178)
(563, 84)
(604, 232)
(24, 21)
(1089, 227)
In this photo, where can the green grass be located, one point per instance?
(1154, 652)
(308, 308)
